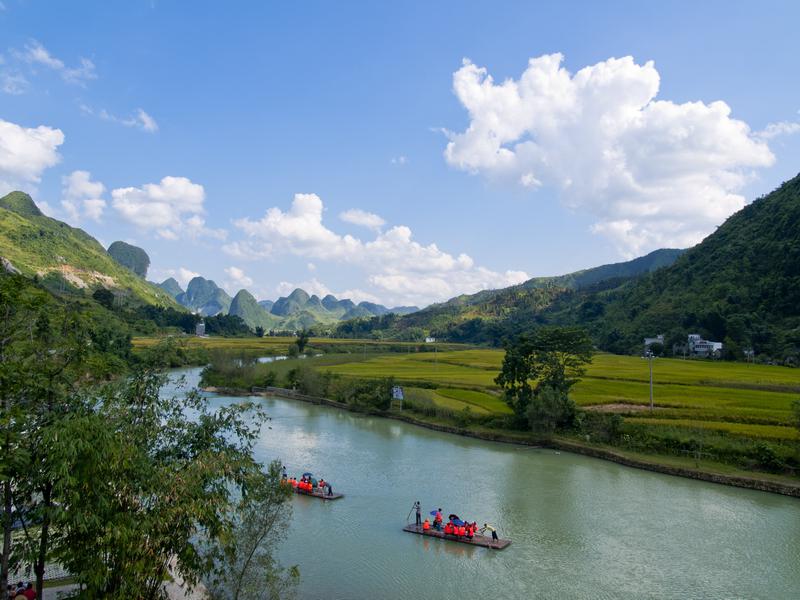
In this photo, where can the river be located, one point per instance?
(580, 527)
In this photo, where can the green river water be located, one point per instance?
(580, 527)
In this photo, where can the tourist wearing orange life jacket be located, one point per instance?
(426, 525)
(437, 520)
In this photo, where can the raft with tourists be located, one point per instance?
(308, 485)
(455, 530)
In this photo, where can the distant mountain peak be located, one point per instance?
(20, 203)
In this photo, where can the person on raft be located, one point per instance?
(437, 520)
(418, 510)
(486, 527)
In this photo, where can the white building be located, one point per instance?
(706, 348)
(200, 329)
(430, 340)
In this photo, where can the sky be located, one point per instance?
(401, 152)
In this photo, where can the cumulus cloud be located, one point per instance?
(35, 53)
(400, 269)
(25, 153)
(651, 172)
(172, 208)
(356, 216)
(82, 197)
(237, 279)
(399, 160)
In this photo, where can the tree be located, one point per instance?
(550, 357)
(152, 487)
(550, 409)
(259, 331)
(249, 570)
(104, 297)
(302, 340)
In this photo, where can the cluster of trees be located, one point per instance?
(538, 371)
(107, 476)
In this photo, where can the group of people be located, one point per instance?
(308, 484)
(21, 591)
(454, 526)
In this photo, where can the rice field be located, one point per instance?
(737, 398)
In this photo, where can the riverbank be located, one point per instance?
(670, 465)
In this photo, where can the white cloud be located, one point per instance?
(25, 153)
(399, 160)
(773, 130)
(312, 286)
(397, 266)
(173, 208)
(139, 119)
(238, 279)
(82, 197)
(36, 54)
(13, 83)
(182, 275)
(356, 216)
(146, 122)
(651, 172)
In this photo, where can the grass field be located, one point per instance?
(734, 412)
(744, 399)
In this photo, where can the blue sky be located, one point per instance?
(314, 109)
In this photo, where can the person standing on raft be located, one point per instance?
(486, 527)
(418, 510)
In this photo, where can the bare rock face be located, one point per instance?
(6, 265)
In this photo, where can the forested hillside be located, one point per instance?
(65, 258)
(740, 286)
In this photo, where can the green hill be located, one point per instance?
(65, 258)
(131, 257)
(244, 305)
(171, 286)
(739, 286)
(491, 315)
(205, 297)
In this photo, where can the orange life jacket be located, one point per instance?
(426, 525)
(294, 482)
(462, 530)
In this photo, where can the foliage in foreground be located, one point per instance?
(119, 482)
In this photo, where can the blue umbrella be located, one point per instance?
(433, 513)
(308, 474)
(458, 522)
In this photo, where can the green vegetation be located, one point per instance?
(132, 257)
(205, 297)
(171, 286)
(737, 413)
(107, 475)
(66, 259)
(547, 363)
(245, 306)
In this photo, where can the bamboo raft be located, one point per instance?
(318, 494)
(477, 540)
